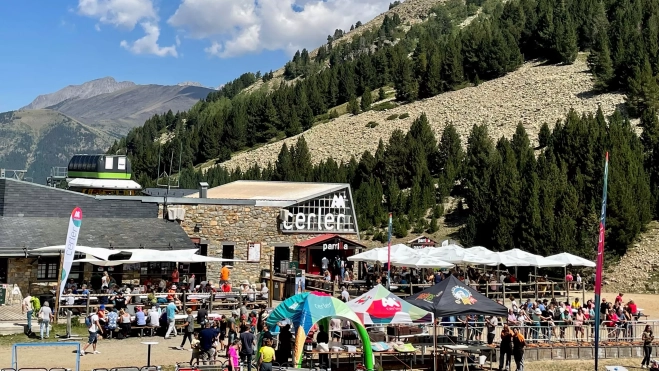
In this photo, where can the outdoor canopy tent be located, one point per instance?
(573, 260)
(381, 254)
(453, 298)
(534, 260)
(419, 262)
(107, 257)
(305, 309)
(454, 254)
(379, 306)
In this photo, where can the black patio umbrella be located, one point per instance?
(451, 297)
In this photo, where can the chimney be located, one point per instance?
(203, 190)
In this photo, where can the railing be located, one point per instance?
(503, 291)
(627, 332)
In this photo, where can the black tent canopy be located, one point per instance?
(451, 297)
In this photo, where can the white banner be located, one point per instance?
(70, 246)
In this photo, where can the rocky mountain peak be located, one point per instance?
(86, 90)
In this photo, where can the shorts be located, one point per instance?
(336, 334)
(93, 337)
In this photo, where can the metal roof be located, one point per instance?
(277, 193)
(32, 233)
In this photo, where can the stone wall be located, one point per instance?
(22, 273)
(240, 225)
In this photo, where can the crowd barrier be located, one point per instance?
(629, 332)
(128, 368)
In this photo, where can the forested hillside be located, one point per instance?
(431, 58)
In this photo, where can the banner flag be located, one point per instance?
(70, 246)
(600, 262)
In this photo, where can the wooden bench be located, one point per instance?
(141, 329)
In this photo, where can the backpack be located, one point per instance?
(88, 321)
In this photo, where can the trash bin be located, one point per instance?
(290, 285)
(276, 290)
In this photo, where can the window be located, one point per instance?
(227, 253)
(47, 270)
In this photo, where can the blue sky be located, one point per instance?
(51, 44)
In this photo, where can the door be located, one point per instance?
(227, 253)
(281, 253)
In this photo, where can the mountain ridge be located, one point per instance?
(85, 90)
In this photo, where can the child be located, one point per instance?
(195, 349)
(234, 359)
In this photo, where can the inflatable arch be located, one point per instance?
(306, 309)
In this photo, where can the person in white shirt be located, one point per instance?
(154, 317)
(325, 262)
(46, 316)
(335, 329)
(28, 309)
(345, 296)
(264, 291)
(578, 281)
(93, 336)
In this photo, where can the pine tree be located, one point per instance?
(294, 125)
(284, 165)
(434, 226)
(302, 161)
(353, 106)
(600, 62)
(449, 160)
(431, 83)
(367, 99)
(381, 94)
(565, 37)
(544, 136)
(643, 91)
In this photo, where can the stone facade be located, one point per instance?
(240, 225)
(22, 273)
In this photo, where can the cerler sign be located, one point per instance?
(324, 219)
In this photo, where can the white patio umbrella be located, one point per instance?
(455, 254)
(497, 258)
(419, 262)
(573, 260)
(381, 254)
(479, 250)
(534, 260)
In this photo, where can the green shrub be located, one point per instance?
(383, 106)
(392, 117)
(404, 116)
(372, 124)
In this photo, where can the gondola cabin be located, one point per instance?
(101, 175)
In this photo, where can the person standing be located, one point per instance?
(206, 340)
(29, 310)
(246, 346)
(188, 329)
(171, 318)
(232, 354)
(267, 356)
(648, 338)
(225, 274)
(491, 323)
(46, 316)
(518, 349)
(93, 327)
(175, 277)
(505, 348)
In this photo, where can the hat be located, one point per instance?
(538, 311)
(102, 307)
(174, 287)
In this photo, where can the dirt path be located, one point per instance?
(114, 353)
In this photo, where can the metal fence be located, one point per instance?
(534, 332)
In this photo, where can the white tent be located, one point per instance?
(573, 260)
(497, 258)
(532, 259)
(381, 254)
(419, 262)
(479, 250)
(96, 254)
(454, 254)
(104, 263)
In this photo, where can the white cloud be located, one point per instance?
(119, 13)
(149, 43)
(126, 14)
(240, 27)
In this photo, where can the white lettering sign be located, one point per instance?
(338, 202)
(334, 246)
(315, 221)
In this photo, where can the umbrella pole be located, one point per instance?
(434, 342)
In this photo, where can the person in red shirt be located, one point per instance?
(512, 278)
(619, 298)
(175, 276)
(633, 309)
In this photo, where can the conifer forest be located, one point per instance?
(543, 199)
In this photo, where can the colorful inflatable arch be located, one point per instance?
(306, 309)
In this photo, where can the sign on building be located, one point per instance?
(330, 213)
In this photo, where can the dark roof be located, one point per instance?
(32, 233)
(162, 192)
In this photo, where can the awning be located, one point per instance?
(330, 239)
